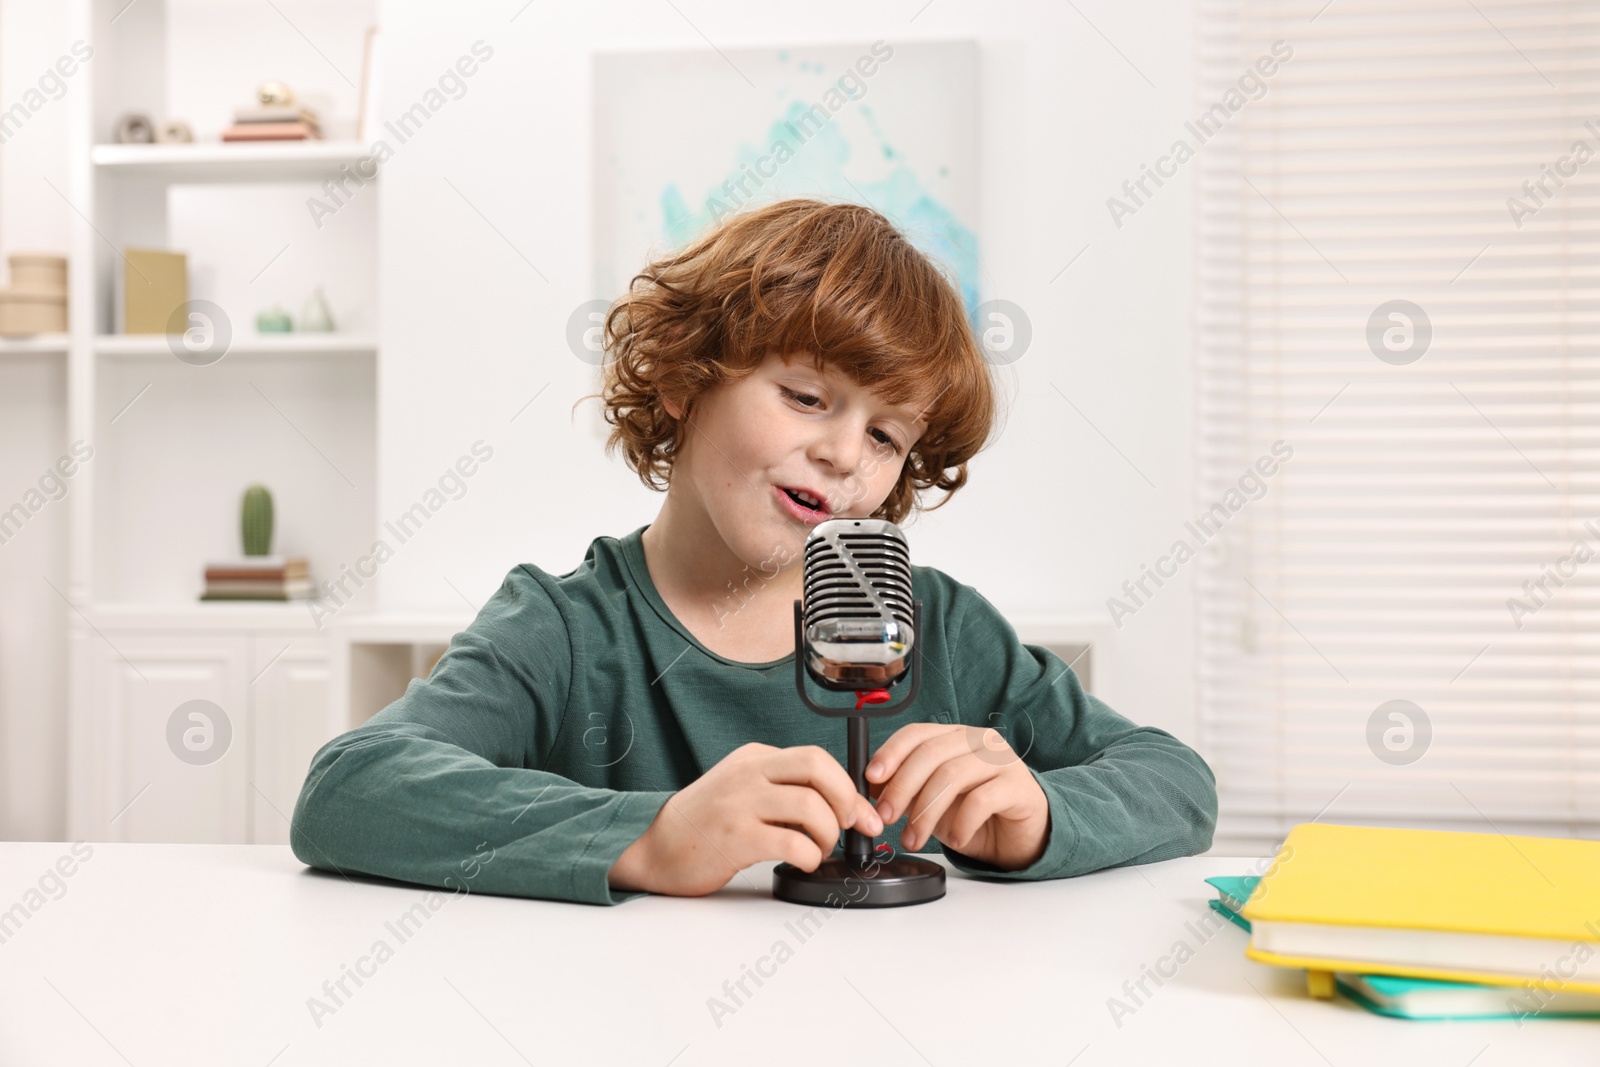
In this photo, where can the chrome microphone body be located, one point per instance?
(856, 629)
(856, 624)
(859, 628)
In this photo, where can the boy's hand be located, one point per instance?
(757, 803)
(965, 786)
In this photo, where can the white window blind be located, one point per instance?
(1429, 539)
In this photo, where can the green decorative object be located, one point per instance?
(256, 521)
(317, 316)
(274, 320)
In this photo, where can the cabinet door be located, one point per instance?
(172, 747)
(289, 722)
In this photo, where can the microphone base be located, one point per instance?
(838, 883)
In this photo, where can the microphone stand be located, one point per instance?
(857, 846)
(859, 878)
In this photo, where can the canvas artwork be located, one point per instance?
(683, 138)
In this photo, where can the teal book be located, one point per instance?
(1425, 998)
(1232, 893)
(1429, 998)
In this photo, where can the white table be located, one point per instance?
(207, 954)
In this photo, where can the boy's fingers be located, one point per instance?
(900, 744)
(802, 808)
(978, 805)
(907, 780)
(944, 791)
(791, 846)
(865, 818)
(815, 766)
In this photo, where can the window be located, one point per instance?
(1399, 280)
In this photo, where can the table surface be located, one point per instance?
(217, 954)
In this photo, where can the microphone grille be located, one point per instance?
(860, 569)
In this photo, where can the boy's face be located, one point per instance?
(787, 425)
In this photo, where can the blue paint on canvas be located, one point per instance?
(804, 155)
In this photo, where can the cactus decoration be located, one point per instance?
(256, 521)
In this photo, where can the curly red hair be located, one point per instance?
(838, 281)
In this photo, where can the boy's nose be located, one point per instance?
(842, 451)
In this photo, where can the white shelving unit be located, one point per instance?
(230, 617)
(157, 346)
(175, 443)
(50, 344)
(374, 656)
(259, 162)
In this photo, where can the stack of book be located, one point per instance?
(1427, 924)
(289, 123)
(258, 578)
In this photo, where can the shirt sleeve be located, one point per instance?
(1119, 793)
(442, 788)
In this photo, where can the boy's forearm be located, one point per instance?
(399, 804)
(1149, 798)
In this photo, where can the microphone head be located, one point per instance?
(856, 604)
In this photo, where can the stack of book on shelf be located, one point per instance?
(259, 578)
(1427, 924)
(287, 123)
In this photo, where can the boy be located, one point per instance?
(631, 726)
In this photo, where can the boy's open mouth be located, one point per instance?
(805, 500)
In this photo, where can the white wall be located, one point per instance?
(477, 296)
(1054, 518)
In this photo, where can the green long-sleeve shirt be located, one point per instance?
(555, 727)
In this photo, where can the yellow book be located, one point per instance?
(1462, 907)
(155, 285)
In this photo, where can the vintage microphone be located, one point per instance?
(857, 629)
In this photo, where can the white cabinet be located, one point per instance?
(149, 793)
(197, 736)
(288, 701)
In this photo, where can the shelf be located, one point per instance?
(218, 161)
(44, 343)
(204, 615)
(155, 345)
(400, 627)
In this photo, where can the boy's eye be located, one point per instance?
(886, 438)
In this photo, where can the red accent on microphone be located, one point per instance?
(871, 696)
